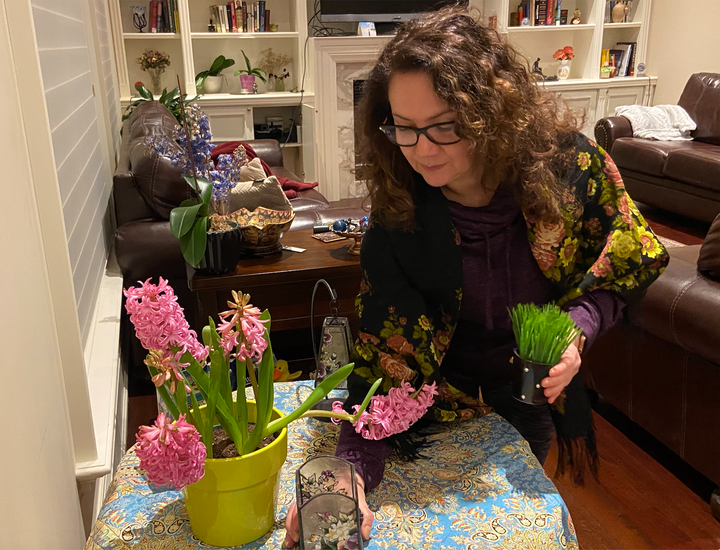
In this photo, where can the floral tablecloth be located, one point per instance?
(480, 487)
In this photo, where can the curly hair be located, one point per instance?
(499, 110)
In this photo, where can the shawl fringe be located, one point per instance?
(576, 456)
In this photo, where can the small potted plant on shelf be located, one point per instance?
(542, 335)
(563, 56)
(225, 454)
(247, 76)
(211, 80)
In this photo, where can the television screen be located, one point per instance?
(379, 10)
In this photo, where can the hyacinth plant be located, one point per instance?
(211, 180)
(173, 452)
(542, 333)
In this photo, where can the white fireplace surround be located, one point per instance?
(338, 62)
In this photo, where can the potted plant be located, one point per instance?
(542, 335)
(230, 499)
(171, 100)
(247, 76)
(208, 242)
(211, 79)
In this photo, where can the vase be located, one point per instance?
(155, 85)
(527, 376)
(563, 70)
(213, 84)
(234, 502)
(270, 86)
(279, 84)
(247, 81)
(222, 253)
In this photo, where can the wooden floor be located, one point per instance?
(646, 498)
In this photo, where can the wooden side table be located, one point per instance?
(283, 283)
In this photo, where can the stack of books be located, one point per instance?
(163, 16)
(239, 16)
(622, 57)
(539, 12)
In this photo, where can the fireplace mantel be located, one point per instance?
(338, 62)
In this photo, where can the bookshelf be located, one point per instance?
(192, 49)
(584, 90)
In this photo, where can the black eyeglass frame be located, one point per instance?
(386, 127)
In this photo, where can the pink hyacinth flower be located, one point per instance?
(171, 452)
(159, 320)
(248, 342)
(393, 413)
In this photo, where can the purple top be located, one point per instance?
(499, 271)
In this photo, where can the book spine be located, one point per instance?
(261, 16)
(166, 16)
(238, 16)
(233, 16)
(153, 15)
(267, 20)
(228, 17)
(542, 12)
(171, 15)
(550, 8)
(176, 14)
(245, 17)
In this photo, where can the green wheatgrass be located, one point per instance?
(543, 333)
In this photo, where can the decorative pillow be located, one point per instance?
(261, 192)
(252, 171)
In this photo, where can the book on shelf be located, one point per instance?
(152, 8)
(267, 20)
(541, 15)
(261, 15)
(228, 18)
(233, 18)
(631, 57)
(617, 58)
(622, 69)
(550, 18)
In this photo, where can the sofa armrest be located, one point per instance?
(608, 129)
(147, 248)
(268, 150)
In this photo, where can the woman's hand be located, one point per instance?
(563, 372)
(292, 527)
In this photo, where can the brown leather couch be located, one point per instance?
(147, 188)
(661, 365)
(679, 176)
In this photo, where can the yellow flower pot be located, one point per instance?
(234, 502)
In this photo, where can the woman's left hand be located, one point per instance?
(562, 373)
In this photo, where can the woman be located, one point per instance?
(484, 194)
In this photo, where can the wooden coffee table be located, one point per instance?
(283, 283)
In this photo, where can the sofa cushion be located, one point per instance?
(264, 192)
(698, 164)
(709, 259)
(701, 99)
(643, 155)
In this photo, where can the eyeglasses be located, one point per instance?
(442, 133)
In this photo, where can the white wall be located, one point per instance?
(39, 507)
(684, 39)
(77, 125)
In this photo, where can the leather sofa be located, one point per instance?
(146, 188)
(661, 365)
(679, 176)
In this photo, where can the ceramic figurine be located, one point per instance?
(576, 18)
(619, 12)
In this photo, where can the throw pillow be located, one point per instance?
(261, 192)
(252, 171)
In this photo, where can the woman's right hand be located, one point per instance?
(292, 527)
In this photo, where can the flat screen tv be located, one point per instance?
(379, 10)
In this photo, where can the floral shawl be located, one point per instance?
(411, 290)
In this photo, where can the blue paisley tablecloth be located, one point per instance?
(480, 487)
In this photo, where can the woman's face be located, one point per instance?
(413, 102)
